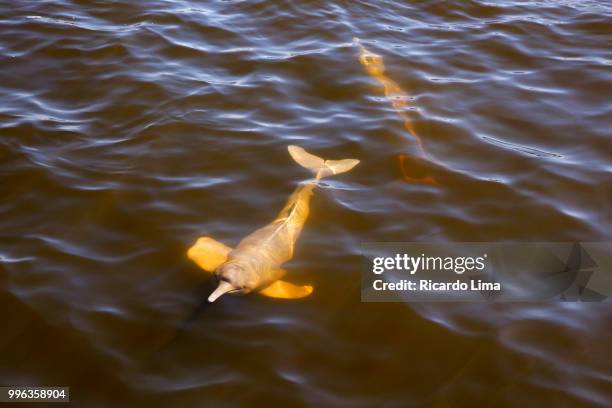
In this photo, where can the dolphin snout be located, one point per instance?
(222, 289)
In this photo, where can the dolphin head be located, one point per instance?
(373, 63)
(232, 278)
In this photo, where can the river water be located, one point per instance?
(128, 129)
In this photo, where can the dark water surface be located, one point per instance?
(130, 128)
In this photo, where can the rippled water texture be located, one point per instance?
(130, 128)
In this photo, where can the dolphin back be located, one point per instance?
(318, 166)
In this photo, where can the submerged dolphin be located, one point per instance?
(255, 264)
(375, 67)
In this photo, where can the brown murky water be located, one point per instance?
(128, 129)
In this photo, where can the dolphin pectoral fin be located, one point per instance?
(285, 290)
(208, 253)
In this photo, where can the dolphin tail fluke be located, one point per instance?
(318, 166)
